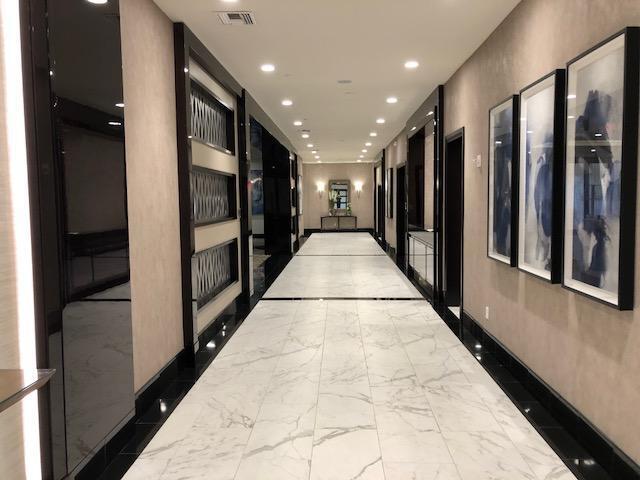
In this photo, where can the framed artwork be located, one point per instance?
(388, 192)
(601, 167)
(503, 182)
(540, 177)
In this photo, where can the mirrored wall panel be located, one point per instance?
(92, 345)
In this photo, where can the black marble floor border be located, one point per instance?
(584, 449)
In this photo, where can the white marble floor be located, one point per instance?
(346, 389)
(340, 244)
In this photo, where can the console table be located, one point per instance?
(339, 222)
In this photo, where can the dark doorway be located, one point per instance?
(415, 183)
(453, 220)
(401, 218)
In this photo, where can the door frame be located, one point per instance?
(452, 137)
(401, 208)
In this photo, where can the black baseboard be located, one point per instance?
(615, 462)
(309, 231)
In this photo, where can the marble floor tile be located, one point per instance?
(487, 456)
(346, 453)
(280, 444)
(458, 408)
(402, 409)
(345, 406)
(343, 370)
(414, 447)
(420, 471)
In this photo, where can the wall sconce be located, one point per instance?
(320, 187)
(358, 187)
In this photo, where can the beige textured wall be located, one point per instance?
(316, 207)
(11, 438)
(152, 183)
(396, 156)
(587, 352)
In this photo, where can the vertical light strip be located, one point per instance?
(17, 149)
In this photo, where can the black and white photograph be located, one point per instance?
(501, 181)
(595, 173)
(540, 117)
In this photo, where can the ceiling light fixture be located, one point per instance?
(430, 113)
(380, 121)
(392, 100)
(368, 144)
(413, 128)
(361, 156)
(314, 151)
(411, 64)
(305, 135)
(268, 68)
(317, 157)
(309, 145)
(297, 123)
(359, 160)
(373, 134)
(286, 102)
(364, 150)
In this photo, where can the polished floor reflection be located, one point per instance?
(344, 389)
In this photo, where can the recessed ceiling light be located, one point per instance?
(359, 160)
(319, 161)
(297, 123)
(317, 157)
(361, 156)
(98, 2)
(309, 145)
(314, 151)
(268, 67)
(286, 102)
(305, 135)
(364, 150)
(229, 1)
(373, 134)
(120, 105)
(392, 100)
(430, 113)
(413, 128)
(380, 121)
(368, 144)
(411, 64)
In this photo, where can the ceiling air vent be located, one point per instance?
(237, 18)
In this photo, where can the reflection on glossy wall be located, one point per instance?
(93, 347)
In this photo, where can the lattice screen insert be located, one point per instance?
(211, 121)
(215, 269)
(213, 196)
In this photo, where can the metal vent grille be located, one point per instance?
(214, 196)
(237, 18)
(211, 120)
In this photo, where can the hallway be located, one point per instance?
(342, 389)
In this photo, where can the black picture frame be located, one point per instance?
(623, 296)
(510, 259)
(388, 190)
(557, 170)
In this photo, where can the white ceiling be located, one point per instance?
(315, 43)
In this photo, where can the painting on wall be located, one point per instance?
(503, 181)
(388, 192)
(540, 165)
(600, 166)
(257, 192)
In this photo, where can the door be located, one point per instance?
(401, 218)
(453, 220)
